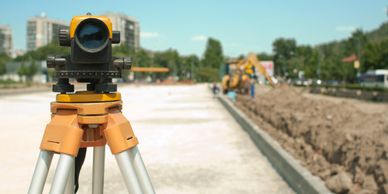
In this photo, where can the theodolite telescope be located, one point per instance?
(90, 39)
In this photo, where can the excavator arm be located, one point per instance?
(253, 61)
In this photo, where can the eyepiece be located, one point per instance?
(92, 35)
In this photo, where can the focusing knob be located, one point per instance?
(53, 62)
(64, 37)
(123, 63)
(50, 61)
(127, 63)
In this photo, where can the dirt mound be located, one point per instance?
(340, 143)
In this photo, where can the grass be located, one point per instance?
(7, 84)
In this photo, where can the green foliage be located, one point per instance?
(3, 61)
(28, 71)
(213, 56)
(325, 61)
(212, 61)
(379, 35)
(183, 67)
(189, 66)
(8, 83)
(42, 53)
(207, 74)
(264, 56)
(376, 56)
(122, 51)
(284, 50)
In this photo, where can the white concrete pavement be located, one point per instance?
(189, 143)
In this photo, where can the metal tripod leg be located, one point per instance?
(141, 171)
(62, 174)
(98, 169)
(128, 172)
(40, 173)
(70, 180)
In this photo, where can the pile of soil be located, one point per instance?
(345, 146)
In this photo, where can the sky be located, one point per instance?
(242, 26)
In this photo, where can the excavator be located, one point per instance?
(240, 74)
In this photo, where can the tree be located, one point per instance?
(169, 59)
(207, 74)
(28, 71)
(376, 56)
(213, 56)
(3, 61)
(143, 58)
(284, 50)
(189, 66)
(41, 53)
(265, 56)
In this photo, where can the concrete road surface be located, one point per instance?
(189, 143)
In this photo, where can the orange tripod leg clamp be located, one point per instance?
(118, 133)
(62, 134)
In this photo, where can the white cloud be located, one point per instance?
(345, 28)
(199, 38)
(149, 34)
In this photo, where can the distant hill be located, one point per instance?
(378, 35)
(326, 60)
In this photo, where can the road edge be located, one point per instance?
(297, 177)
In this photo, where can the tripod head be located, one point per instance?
(90, 39)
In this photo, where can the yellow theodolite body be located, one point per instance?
(76, 20)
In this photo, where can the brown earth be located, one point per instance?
(343, 141)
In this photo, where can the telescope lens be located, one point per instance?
(92, 35)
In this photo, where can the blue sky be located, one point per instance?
(241, 25)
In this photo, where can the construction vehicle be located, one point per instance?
(240, 74)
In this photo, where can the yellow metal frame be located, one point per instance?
(88, 97)
(150, 69)
(252, 60)
(76, 20)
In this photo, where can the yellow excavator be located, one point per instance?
(240, 74)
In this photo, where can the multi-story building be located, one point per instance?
(42, 31)
(6, 40)
(129, 29)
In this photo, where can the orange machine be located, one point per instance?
(88, 119)
(240, 74)
(150, 69)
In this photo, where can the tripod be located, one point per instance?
(87, 119)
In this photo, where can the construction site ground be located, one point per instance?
(343, 141)
(189, 142)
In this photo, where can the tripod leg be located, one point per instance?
(70, 180)
(128, 172)
(79, 161)
(40, 172)
(98, 169)
(62, 174)
(141, 171)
